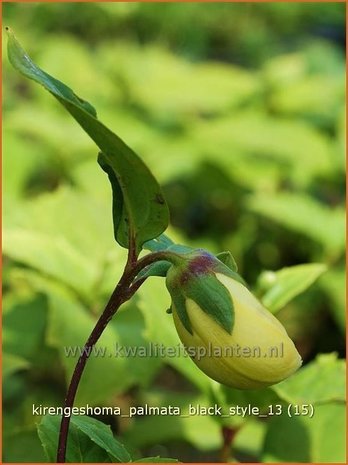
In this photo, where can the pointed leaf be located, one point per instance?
(321, 381)
(163, 243)
(227, 259)
(155, 269)
(142, 213)
(158, 244)
(101, 434)
(285, 284)
(89, 440)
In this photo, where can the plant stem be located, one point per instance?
(228, 435)
(168, 256)
(122, 292)
(117, 298)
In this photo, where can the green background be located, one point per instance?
(238, 110)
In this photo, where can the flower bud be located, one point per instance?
(226, 331)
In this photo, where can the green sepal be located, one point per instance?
(179, 303)
(227, 259)
(180, 249)
(223, 269)
(195, 278)
(155, 269)
(213, 298)
(164, 243)
(158, 244)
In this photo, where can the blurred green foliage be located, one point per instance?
(238, 110)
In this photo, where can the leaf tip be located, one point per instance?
(9, 32)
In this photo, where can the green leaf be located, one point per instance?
(158, 244)
(102, 436)
(298, 78)
(64, 247)
(285, 284)
(24, 326)
(89, 440)
(305, 215)
(163, 243)
(17, 169)
(263, 156)
(156, 460)
(180, 249)
(79, 449)
(155, 269)
(180, 87)
(69, 326)
(282, 435)
(202, 431)
(52, 255)
(334, 283)
(66, 324)
(227, 259)
(328, 448)
(23, 446)
(120, 221)
(12, 363)
(320, 439)
(129, 327)
(142, 213)
(322, 380)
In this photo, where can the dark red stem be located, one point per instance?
(115, 301)
(228, 434)
(122, 292)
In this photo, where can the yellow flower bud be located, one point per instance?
(257, 352)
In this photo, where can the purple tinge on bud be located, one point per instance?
(195, 278)
(240, 343)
